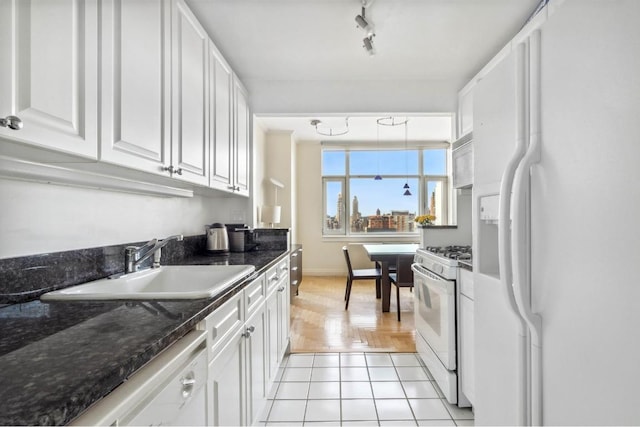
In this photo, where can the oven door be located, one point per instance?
(435, 313)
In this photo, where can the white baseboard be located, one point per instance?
(323, 272)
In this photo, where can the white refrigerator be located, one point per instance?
(556, 207)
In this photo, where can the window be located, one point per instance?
(355, 202)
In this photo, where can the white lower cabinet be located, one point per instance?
(244, 361)
(278, 316)
(225, 387)
(467, 334)
(256, 378)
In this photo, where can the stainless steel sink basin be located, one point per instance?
(166, 282)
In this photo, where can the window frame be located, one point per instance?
(420, 177)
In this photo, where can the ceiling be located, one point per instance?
(304, 58)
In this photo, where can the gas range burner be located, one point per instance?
(451, 252)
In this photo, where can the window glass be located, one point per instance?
(435, 162)
(381, 206)
(383, 162)
(436, 200)
(334, 216)
(333, 163)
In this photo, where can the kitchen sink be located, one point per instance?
(164, 283)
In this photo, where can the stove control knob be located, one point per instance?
(439, 268)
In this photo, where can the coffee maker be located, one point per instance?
(241, 238)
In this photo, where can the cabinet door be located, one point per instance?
(462, 159)
(467, 350)
(226, 384)
(49, 73)
(283, 292)
(135, 83)
(271, 351)
(256, 364)
(241, 141)
(221, 132)
(190, 142)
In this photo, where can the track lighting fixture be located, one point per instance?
(368, 29)
(325, 130)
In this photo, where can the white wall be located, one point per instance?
(258, 176)
(38, 218)
(280, 163)
(364, 96)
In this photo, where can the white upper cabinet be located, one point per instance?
(49, 73)
(136, 128)
(221, 130)
(190, 82)
(133, 83)
(242, 136)
(229, 131)
(465, 109)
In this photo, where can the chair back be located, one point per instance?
(348, 260)
(404, 272)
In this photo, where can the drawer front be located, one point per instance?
(276, 273)
(223, 321)
(254, 295)
(170, 404)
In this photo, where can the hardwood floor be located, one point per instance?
(319, 322)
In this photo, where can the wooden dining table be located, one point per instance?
(387, 254)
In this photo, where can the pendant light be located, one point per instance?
(378, 177)
(406, 162)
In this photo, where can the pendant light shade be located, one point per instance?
(406, 161)
(377, 178)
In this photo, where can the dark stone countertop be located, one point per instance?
(58, 358)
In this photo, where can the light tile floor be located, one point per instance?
(359, 389)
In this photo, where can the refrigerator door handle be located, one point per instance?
(504, 228)
(519, 236)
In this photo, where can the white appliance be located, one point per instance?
(436, 316)
(556, 208)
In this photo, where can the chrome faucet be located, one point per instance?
(134, 255)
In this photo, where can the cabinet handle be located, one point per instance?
(231, 187)
(11, 122)
(172, 170)
(281, 289)
(248, 331)
(188, 383)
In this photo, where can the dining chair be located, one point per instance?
(402, 278)
(359, 274)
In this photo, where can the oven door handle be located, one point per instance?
(434, 280)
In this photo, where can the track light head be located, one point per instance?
(367, 43)
(365, 25)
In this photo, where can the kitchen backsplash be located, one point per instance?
(25, 278)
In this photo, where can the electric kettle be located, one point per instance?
(217, 239)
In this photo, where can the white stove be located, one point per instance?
(436, 316)
(443, 260)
